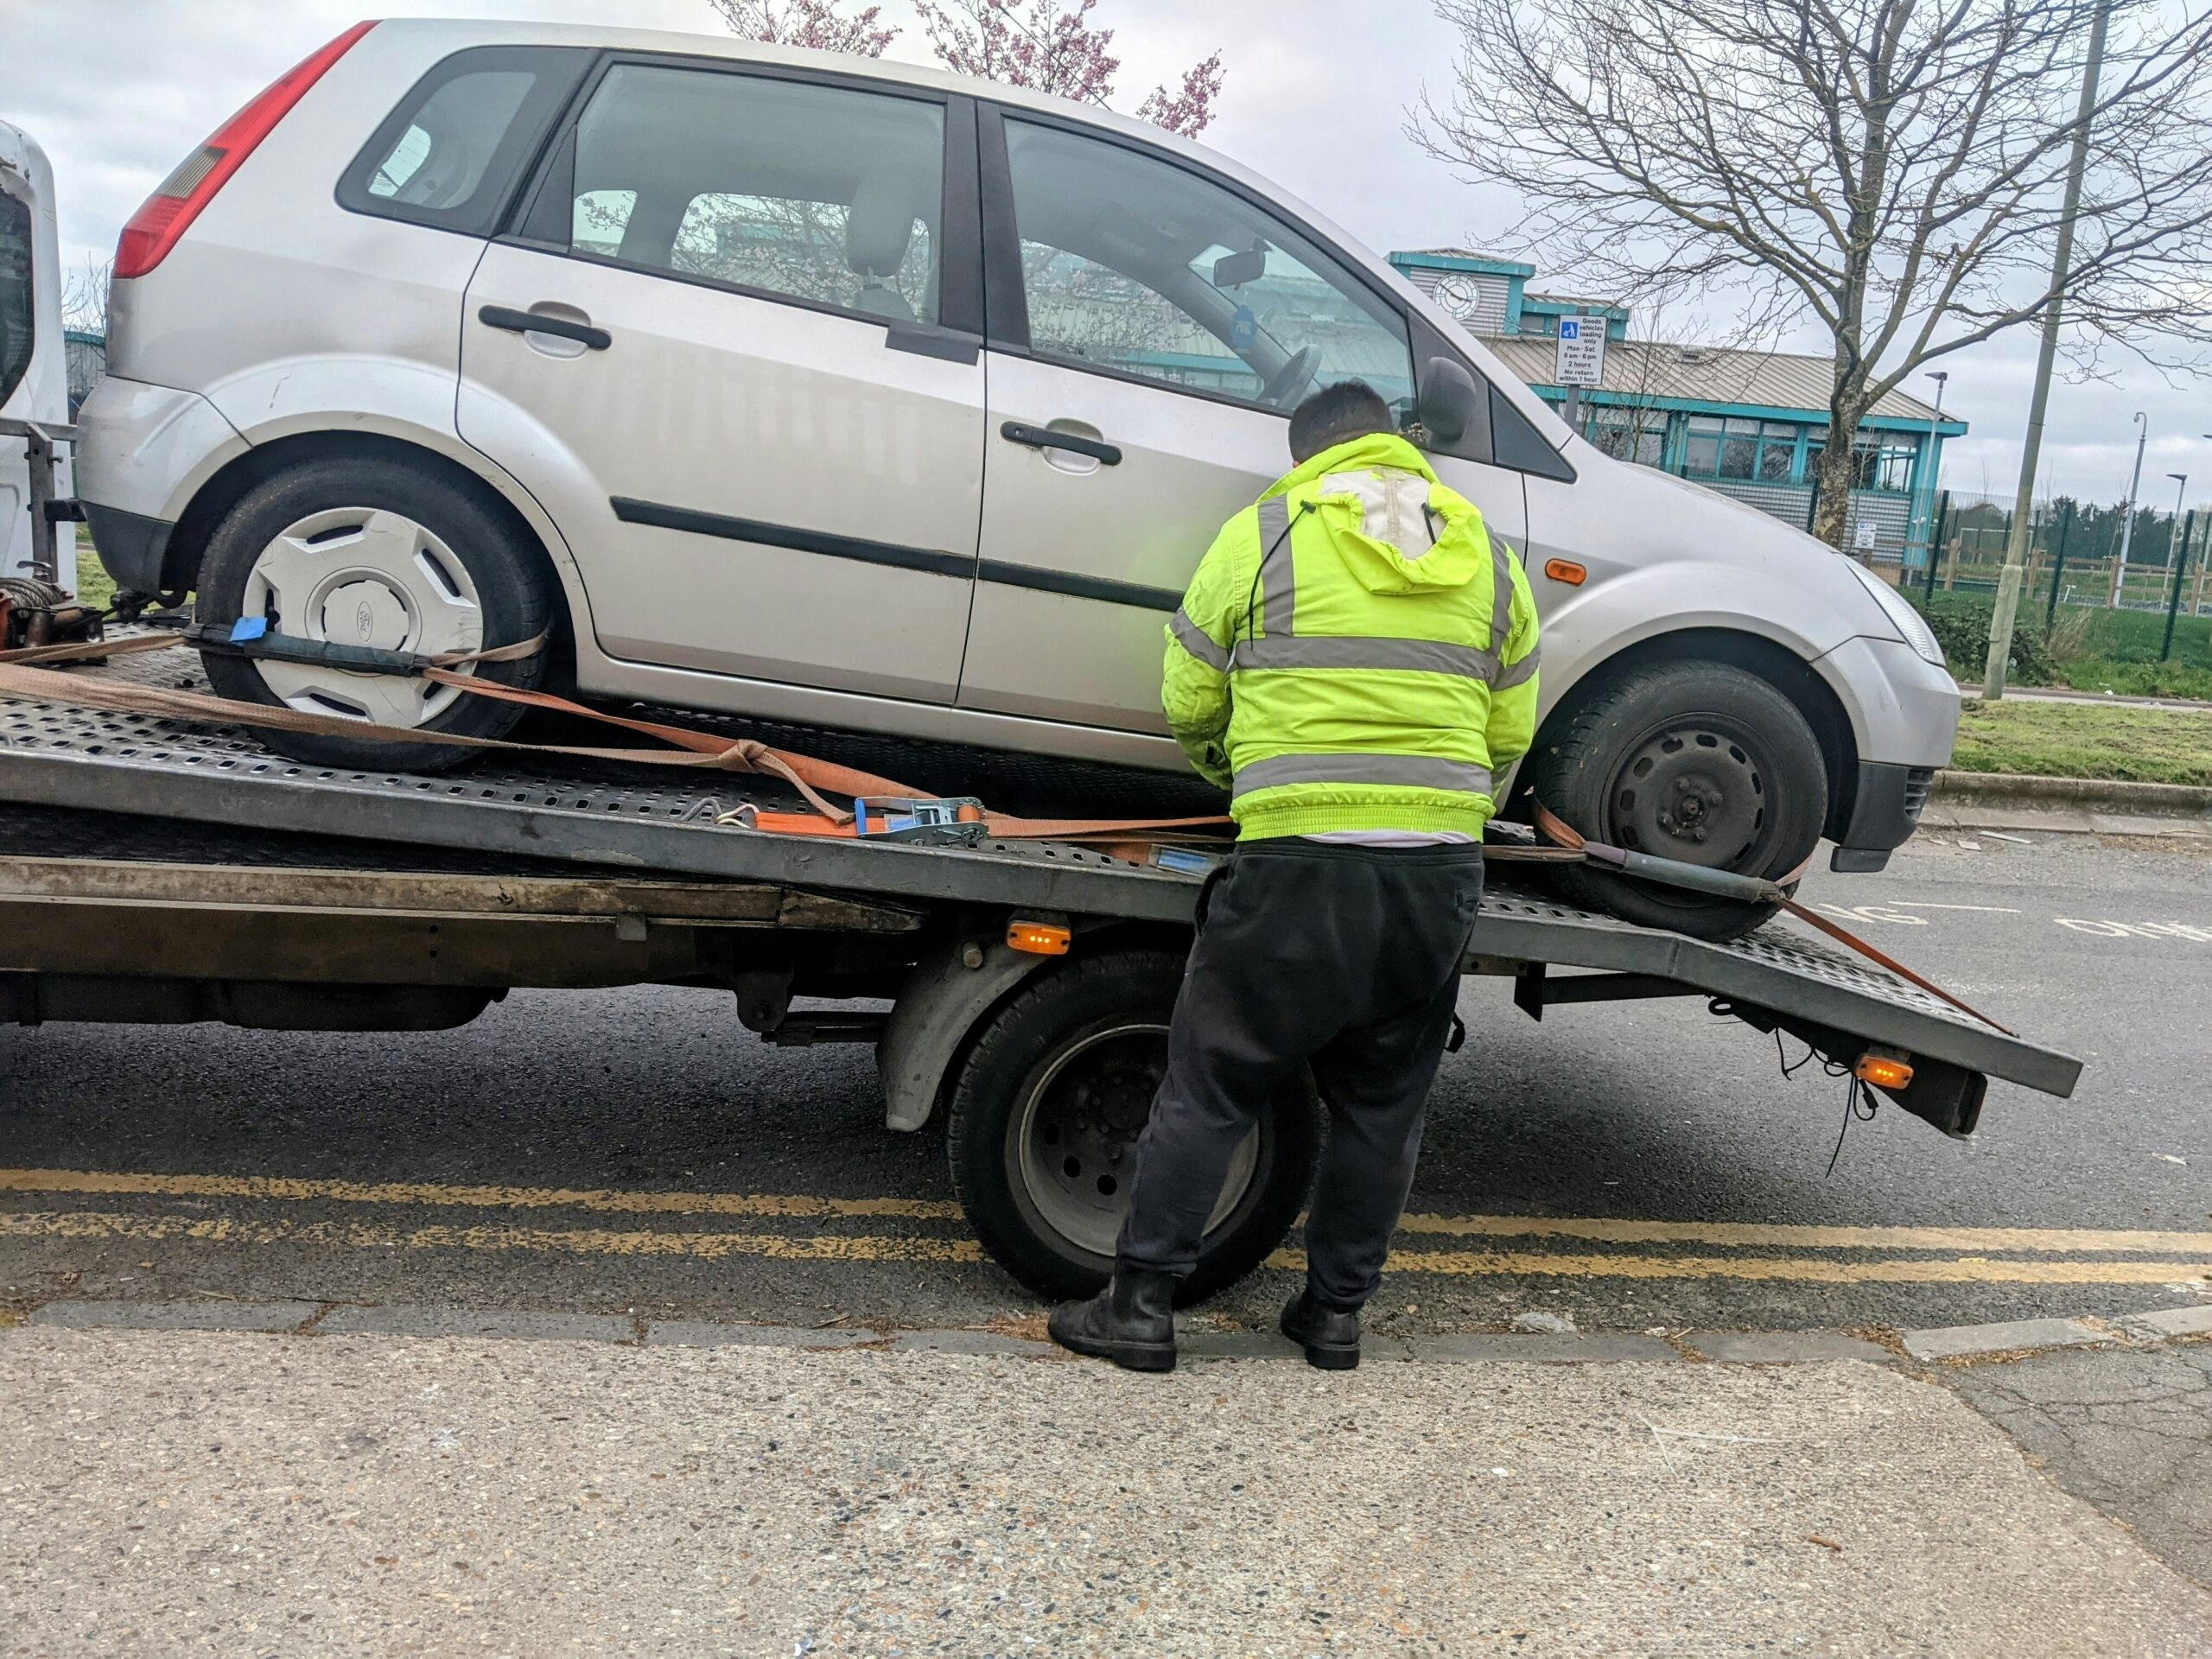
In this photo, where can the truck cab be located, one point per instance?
(33, 365)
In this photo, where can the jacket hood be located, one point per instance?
(1397, 528)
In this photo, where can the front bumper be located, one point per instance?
(1904, 715)
(1886, 808)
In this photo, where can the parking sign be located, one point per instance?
(1581, 358)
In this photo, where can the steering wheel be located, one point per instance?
(1287, 382)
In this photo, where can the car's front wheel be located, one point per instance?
(383, 553)
(1700, 762)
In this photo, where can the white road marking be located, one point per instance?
(2112, 930)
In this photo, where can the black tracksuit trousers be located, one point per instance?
(1343, 959)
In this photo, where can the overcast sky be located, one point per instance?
(119, 91)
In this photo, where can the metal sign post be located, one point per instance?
(1579, 361)
(2181, 575)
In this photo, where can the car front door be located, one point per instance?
(1150, 330)
(749, 401)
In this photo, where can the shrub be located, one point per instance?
(1962, 625)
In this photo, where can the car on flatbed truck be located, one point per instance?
(859, 396)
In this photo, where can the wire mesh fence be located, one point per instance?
(2075, 554)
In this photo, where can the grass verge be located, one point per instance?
(2078, 739)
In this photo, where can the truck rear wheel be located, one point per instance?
(365, 550)
(1044, 1122)
(1698, 762)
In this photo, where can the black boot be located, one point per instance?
(1330, 1336)
(1131, 1322)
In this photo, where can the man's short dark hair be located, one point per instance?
(1335, 414)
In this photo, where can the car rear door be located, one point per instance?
(1150, 328)
(734, 348)
(34, 369)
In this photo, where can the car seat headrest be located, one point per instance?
(879, 228)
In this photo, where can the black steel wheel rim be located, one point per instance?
(1695, 788)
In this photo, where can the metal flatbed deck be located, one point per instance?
(637, 821)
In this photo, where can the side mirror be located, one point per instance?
(1446, 408)
(1235, 270)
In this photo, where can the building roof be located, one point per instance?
(1502, 264)
(1575, 299)
(1706, 374)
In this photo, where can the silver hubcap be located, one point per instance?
(1075, 1136)
(363, 576)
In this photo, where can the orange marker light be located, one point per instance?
(1566, 570)
(1883, 1071)
(1037, 938)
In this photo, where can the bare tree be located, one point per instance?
(1890, 170)
(84, 297)
(822, 25)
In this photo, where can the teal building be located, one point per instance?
(1748, 423)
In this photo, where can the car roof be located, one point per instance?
(454, 34)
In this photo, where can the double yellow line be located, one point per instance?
(1833, 1254)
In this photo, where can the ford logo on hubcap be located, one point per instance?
(364, 620)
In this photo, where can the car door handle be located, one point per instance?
(536, 322)
(1043, 437)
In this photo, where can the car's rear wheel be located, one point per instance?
(383, 553)
(1700, 762)
(1043, 1125)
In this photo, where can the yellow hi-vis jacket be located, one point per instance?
(1355, 652)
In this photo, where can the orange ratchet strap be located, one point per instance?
(810, 776)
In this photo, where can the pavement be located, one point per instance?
(379, 1495)
(622, 1163)
(2066, 693)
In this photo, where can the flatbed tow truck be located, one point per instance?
(157, 871)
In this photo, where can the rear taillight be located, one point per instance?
(154, 229)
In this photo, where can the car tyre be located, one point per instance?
(416, 558)
(1698, 762)
(1047, 1107)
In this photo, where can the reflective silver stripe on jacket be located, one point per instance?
(1192, 639)
(1409, 656)
(1278, 575)
(1521, 673)
(1500, 603)
(1405, 771)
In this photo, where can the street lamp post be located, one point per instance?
(2128, 525)
(1935, 449)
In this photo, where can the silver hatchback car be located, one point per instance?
(853, 394)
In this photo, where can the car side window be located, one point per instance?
(1132, 263)
(18, 299)
(447, 154)
(818, 194)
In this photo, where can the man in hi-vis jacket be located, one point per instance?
(1355, 661)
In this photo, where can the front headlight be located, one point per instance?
(1894, 606)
